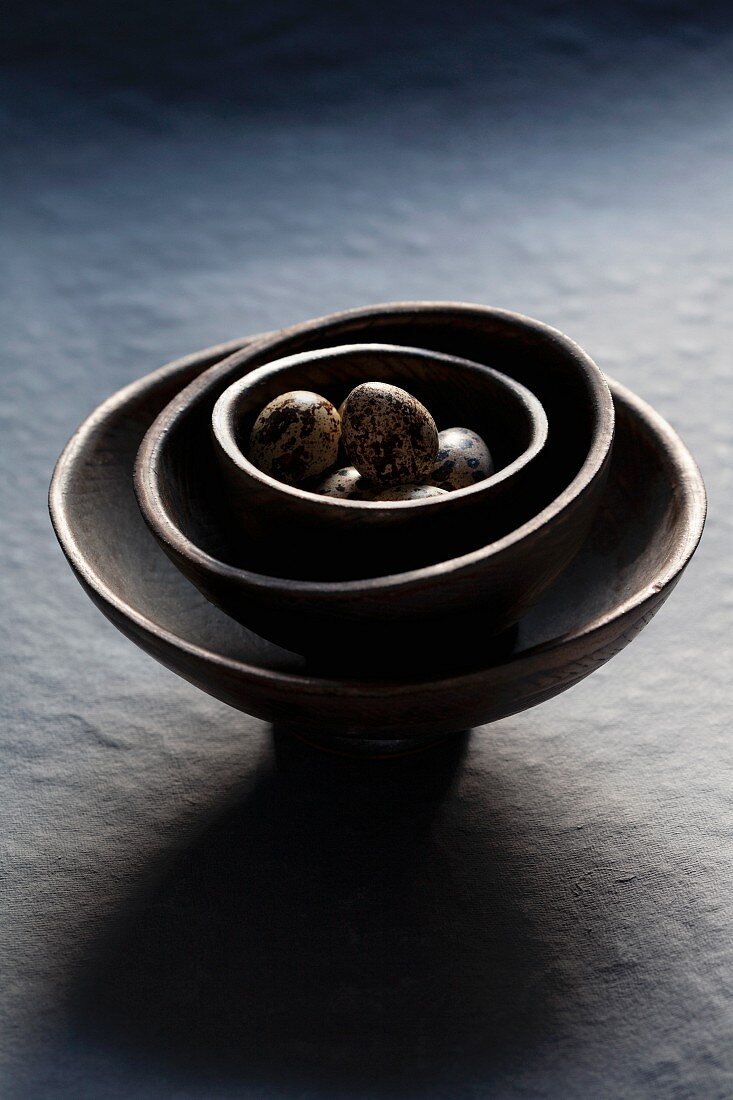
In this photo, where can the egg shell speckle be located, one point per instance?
(410, 492)
(463, 459)
(346, 484)
(388, 435)
(295, 437)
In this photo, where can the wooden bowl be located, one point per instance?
(344, 539)
(419, 614)
(646, 529)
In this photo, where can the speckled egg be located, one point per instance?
(388, 435)
(346, 483)
(410, 492)
(463, 459)
(295, 437)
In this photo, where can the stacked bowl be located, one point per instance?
(377, 622)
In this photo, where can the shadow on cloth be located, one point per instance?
(346, 925)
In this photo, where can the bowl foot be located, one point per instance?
(375, 748)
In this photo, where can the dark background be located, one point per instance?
(190, 905)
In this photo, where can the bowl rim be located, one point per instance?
(157, 516)
(224, 411)
(692, 501)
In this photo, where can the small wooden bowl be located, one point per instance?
(645, 532)
(346, 539)
(417, 614)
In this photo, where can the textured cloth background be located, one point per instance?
(190, 905)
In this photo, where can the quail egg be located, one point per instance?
(463, 459)
(388, 435)
(410, 492)
(346, 483)
(295, 437)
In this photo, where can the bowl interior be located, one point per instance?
(180, 456)
(456, 392)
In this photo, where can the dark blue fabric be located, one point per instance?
(191, 906)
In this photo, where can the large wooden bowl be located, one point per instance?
(422, 613)
(645, 531)
(348, 539)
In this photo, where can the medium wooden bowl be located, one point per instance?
(645, 531)
(346, 539)
(414, 615)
